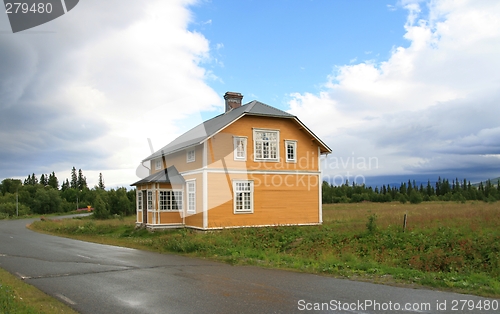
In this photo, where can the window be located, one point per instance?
(170, 200)
(158, 164)
(139, 200)
(243, 196)
(266, 145)
(150, 200)
(190, 156)
(191, 196)
(240, 148)
(291, 151)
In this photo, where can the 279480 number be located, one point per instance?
(19, 7)
(463, 305)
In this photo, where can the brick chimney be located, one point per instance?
(233, 100)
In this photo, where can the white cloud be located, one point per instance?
(429, 105)
(102, 84)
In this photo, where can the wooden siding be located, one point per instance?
(179, 160)
(195, 220)
(295, 202)
(221, 147)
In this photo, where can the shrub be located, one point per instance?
(371, 225)
(415, 197)
(100, 209)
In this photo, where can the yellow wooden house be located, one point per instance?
(254, 165)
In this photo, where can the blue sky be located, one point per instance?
(268, 49)
(410, 85)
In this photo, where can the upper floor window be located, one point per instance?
(291, 151)
(158, 165)
(240, 148)
(266, 145)
(190, 155)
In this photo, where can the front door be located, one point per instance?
(144, 207)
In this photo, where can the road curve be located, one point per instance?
(95, 278)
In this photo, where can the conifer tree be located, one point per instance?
(74, 179)
(81, 181)
(53, 182)
(101, 182)
(34, 179)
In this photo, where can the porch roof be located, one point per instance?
(169, 175)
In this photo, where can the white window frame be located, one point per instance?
(256, 141)
(237, 190)
(294, 144)
(170, 200)
(158, 164)
(191, 192)
(150, 195)
(236, 141)
(139, 200)
(190, 155)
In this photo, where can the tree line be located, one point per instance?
(442, 190)
(45, 195)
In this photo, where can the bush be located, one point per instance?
(9, 209)
(401, 198)
(371, 225)
(415, 197)
(100, 209)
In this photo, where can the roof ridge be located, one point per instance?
(256, 101)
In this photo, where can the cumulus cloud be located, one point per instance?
(89, 88)
(432, 106)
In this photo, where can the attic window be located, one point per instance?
(190, 155)
(266, 145)
(158, 164)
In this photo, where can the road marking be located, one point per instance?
(83, 256)
(22, 276)
(65, 299)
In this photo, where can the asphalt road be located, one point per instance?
(94, 278)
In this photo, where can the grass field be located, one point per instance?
(446, 245)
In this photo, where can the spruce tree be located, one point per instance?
(101, 182)
(34, 179)
(53, 182)
(81, 181)
(74, 179)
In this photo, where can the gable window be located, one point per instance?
(170, 200)
(243, 196)
(240, 148)
(266, 145)
(191, 196)
(190, 156)
(291, 151)
(158, 164)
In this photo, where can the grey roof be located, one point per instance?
(169, 175)
(205, 130)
